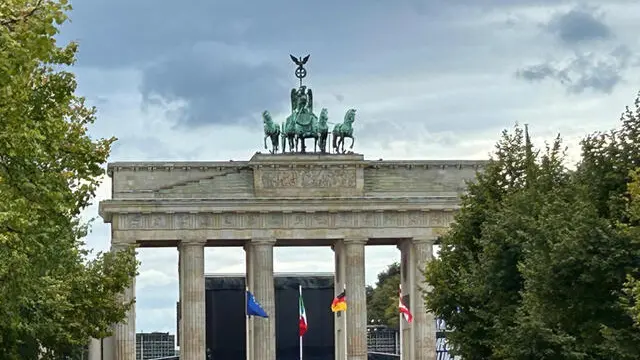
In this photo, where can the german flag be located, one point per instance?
(340, 302)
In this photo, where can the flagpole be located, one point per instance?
(400, 323)
(246, 324)
(344, 330)
(300, 289)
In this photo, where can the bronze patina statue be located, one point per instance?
(303, 124)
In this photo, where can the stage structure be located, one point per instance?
(325, 197)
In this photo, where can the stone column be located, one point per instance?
(262, 279)
(192, 339)
(180, 328)
(339, 285)
(108, 348)
(95, 349)
(356, 299)
(407, 280)
(249, 284)
(423, 321)
(124, 333)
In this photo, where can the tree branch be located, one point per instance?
(14, 20)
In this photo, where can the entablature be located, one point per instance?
(284, 220)
(110, 208)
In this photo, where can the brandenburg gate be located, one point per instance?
(325, 198)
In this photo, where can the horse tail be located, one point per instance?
(334, 136)
(284, 141)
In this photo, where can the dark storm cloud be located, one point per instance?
(121, 33)
(227, 61)
(192, 52)
(584, 71)
(579, 25)
(220, 84)
(537, 72)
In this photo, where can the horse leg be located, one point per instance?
(265, 140)
(315, 144)
(353, 141)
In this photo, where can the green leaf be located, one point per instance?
(51, 295)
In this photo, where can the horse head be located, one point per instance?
(324, 116)
(266, 117)
(350, 116)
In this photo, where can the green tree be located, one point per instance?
(52, 297)
(626, 339)
(631, 297)
(476, 285)
(535, 266)
(382, 307)
(606, 173)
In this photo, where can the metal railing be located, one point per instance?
(381, 339)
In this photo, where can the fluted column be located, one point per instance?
(95, 349)
(249, 284)
(192, 339)
(180, 297)
(124, 333)
(356, 299)
(262, 273)
(108, 348)
(340, 338)
(407, 281)
(424, 322)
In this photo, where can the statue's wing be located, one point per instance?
(310, 98)
(295, 60)
(293, 100)
(306, 58)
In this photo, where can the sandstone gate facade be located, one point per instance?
(342, 201)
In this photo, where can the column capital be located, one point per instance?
(246, 246)
(420, 240)
(355, 240)
(192, 242)
(265, 241)
(403, 243)
(119, 246)
(337, 244)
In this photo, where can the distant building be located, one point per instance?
(154, 345)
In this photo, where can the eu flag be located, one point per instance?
(253, 308)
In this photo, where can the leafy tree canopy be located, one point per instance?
(52, 297)
(541, 261)
(382, 307)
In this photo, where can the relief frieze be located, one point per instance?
(309, 178)
(277, 220)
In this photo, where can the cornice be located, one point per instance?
(108, 208)
(167, 166)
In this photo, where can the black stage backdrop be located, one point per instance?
(225, 317)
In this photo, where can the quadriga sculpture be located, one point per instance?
(343, 131)
(271, 131)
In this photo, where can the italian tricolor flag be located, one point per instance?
(303, 316)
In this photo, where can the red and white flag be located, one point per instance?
(302, 319)
(404, 310)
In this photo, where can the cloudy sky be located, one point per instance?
(431, 79)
